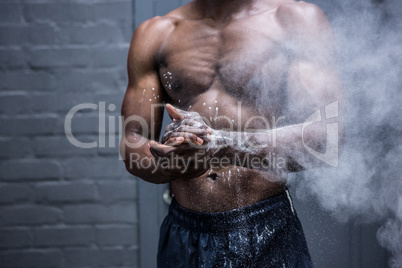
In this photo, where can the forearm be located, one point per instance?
(143, 160)
(140, 162)
(284, 148)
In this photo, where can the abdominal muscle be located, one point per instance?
(227, 189)
(234, 109)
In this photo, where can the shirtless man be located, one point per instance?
(239, 78)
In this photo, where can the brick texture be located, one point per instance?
(60, 205)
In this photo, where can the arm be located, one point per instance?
(142, 107)
(313, 85)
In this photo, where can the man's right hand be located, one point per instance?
(188, 125)
(186, 140)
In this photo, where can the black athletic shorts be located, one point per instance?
(265, 234)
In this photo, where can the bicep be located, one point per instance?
(312, 87)
(313, 80)
(142, 107)
(142, 110)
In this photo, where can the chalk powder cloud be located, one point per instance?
(367, 184)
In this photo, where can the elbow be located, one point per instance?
(130, 168)
(139, 164)
(144, 174)
(147, 173)
(130, 159)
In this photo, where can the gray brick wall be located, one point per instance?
(63, 206)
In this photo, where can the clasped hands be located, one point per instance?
(186, 139)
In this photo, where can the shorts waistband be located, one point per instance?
(277, 207)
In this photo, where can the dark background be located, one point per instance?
(62, 206)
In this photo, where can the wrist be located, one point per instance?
(220, 141)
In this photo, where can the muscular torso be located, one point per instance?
(237, 70)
